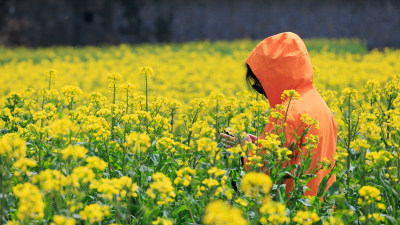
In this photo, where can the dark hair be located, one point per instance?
(253, 83)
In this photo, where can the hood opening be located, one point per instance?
(281, 62)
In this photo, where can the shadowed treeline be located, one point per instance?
(83, 22)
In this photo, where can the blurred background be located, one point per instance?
(92, 22)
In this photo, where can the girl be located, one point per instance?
(281, 62)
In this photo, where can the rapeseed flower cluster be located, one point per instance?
(94, 213)
(378, 158)
(218, 212)
(184, 176)
(306, 218)
(290, 94)
(71, 92)
(209, 147)
(24, 165)
(50, 180)
(74, 152)
(120, 187)
(369, 194)
(309, 121)
(146, 70)
(12, 147)
(273, 212)
(81, 175)
(138, 142)
(162, 221)
(94, 162)
(31, 205)
(161, 189)
(256, 184)
(62, 220)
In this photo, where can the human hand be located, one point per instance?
(231, 141)
(246, 138)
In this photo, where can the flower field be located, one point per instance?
(130, 135)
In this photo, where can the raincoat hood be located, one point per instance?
(281, 62)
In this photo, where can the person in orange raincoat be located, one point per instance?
(281, 62)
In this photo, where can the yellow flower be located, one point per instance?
(119, 187)
(273, 212)
(51, 73)
(242, 202)
(349, 93)
(184, 176)
(31, 205)
(71, 92)
(128, 88)
(309, 121)
(146, 70)
(50, 180)
(162, 221)
(114, 77)
(378, 159)
(74, 151)
(94, 212)
(334, 221)
(13, 222)
(12, 146)
(94, 162)
(139, 141)
(80, 174)
(161, 189)
(23, 164)
(306, 218)
(219, 213)
(62, 220)
(208, 146)
(291, 94)
(60, 127)
(255, 184)
(369, 194)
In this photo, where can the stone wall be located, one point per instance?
(82, 22)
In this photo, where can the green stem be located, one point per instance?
(2, 196)
(190, 211)
(112, 114)
(364, 170)
(108, 158)
(172, 123)
(124, 156)
(40, 158)
(127, 101)
(147, 108)
(287, 109)
(49, 82)
(124, 161)
(366, 215)
(348, 139)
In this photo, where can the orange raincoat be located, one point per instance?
(281, 62)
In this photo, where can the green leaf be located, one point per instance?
(149, 215)
(304, 201)
(390, 218)
(322, 186)
(307, 164)
(178, 210)
(333, 189)
(145, 169)
(155, 158)
(212, 116)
